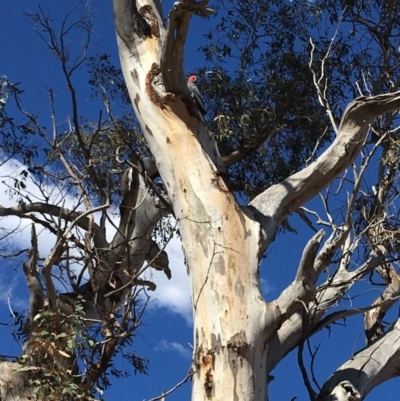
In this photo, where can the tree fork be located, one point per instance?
(223, 242)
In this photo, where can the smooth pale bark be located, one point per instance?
(365, 370)
(292, 331)
(229, 313)
(223, 242)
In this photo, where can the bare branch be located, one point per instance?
(300, 361)
(165, 393)
(282, 199)
(302, 289)
(172, 54)
(367, 369)
(373, 318)
(80, 219)
(36, 294)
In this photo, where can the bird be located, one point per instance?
(195, 93)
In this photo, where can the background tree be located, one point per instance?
(230, 184)
(87, 301)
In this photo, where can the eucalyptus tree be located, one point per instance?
(238, 336)
(308, 99)
(79, 186)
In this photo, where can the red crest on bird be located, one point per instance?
(192, 78)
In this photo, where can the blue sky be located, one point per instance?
(166, 333)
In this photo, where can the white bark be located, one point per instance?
(292, 331)
(278, 201)
(365, 370)
(222, 242)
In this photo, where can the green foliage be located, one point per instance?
(52, 354)
(266, 59)
(62, 353)
(269, 90)
(106, 78)
(264, 99)
(66, 356)
(16, 139)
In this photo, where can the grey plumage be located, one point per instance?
(196, 95)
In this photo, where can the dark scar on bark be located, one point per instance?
(148, 14)
(152, 75)
(135, 78)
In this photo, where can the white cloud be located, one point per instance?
(166, 346)
(266, 287)
(174, 294)
(20, 229)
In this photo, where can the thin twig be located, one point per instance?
(188, 376)
(304, 373)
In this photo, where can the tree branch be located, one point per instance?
(130, 24)
(293, 331)
(36, 294)
(278, 201)
(302, 289)
(56, 211)
(173, 49)
(367, 369)
(373, 318)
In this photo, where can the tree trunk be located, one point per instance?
(229, 314)
(223, 242)
(220, 241)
